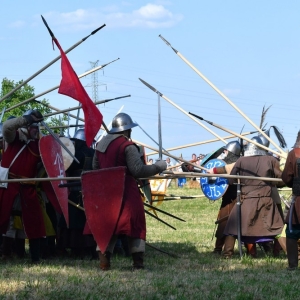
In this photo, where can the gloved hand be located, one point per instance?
(161, 164)
(187, 168)
(34, 117)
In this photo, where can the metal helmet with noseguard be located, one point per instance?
(122, 122)
(79, 134)
(252, 150)
(234, 147)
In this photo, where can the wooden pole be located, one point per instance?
(170, 155)
(199, 143)
(222, 95)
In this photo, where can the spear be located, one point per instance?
(151, 137)
(171, 102)
(170, 155)
(201, 143)
(64, 111)
(238, 135)
(222, 95)
(56, 87)
(167, 175)
(49, 64)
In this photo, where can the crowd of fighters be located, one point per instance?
(262, 217)
(29, 210)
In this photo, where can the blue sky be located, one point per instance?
(248, 49)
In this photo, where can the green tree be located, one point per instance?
(22, 94)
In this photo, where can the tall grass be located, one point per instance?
(195, 274)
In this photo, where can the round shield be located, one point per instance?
(212, 155)
(213, 187)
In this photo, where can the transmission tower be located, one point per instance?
(94, 83)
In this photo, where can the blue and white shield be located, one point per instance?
(213, 187)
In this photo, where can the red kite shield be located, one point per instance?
(52, 159)
(102, 194)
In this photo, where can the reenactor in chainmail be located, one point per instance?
(117, 149)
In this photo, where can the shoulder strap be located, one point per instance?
(18, 154)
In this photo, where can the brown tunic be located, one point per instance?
(259, 215)
(288, 174)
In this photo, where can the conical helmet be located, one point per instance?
(253, 150)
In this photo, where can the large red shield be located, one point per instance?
(51, 155)
(102, 194)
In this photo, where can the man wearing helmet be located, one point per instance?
(260, 218)
(117, 149)
(231, 154)
(290, 177)
(20, 136)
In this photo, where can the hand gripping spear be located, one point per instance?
(222, 95)
(49, 64)
(240, 136)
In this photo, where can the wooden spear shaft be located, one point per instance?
(49, 64)
(54, 88)
(222, 95)
(199, 143)
(193, 118)
(281, 154)
(170, 155)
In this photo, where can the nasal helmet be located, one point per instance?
(80, 134)
(252, 150)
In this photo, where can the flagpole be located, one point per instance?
(222, 95)
(49, 64)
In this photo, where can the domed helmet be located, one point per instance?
(252, 150)
(122, 122)
(234, 147)
(264, 140)
(80, 134)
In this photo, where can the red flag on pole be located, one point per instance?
(71, 86)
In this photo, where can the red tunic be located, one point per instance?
(25, 166)
(132, 217)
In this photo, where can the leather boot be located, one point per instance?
(20, 247)
(104, 260)
(228, 246)
(251, 250)
(138, 260)
(292, 254)
(34, 248)
(219, 245)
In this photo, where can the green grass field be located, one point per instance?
(195, 274)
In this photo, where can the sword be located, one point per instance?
(59, 141)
